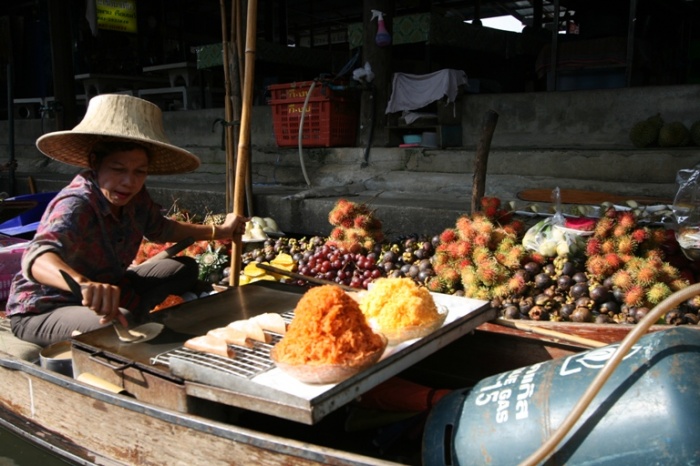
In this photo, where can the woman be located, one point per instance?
(92, 229)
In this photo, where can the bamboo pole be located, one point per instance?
(244, 136)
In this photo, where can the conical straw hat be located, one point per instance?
(122, 117)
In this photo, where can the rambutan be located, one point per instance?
(482, 240)
(435, 284)
(622, 280)
(593, 246)
(613, 260)
(678, 284)
(597, 266)
(610, 212)
(337, 234)
(603, 227)
(537, 258)
(468, 276)
(626, 245)
(450, 277)
(492, 202)
(608, 246)
(619, 231)
(516, 284)
(634, 296)
(347, 222)
(627, 220)
(481, 254)
(647, 275)
(482, 225)
(463, 249)
(489, 272)
(499, 291)
(658, 292)
(639, 235)
(514, 257)
(514, 228)
(655, 254)
(448, 236)
(464, 228)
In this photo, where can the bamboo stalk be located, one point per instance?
(550, 333)
(244, 137)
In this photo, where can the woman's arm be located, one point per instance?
(103, 298)
(233, 225)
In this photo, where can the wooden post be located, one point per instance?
(244, 136)
(488, 126)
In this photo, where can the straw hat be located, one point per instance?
(123, 117)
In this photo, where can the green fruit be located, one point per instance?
(645, 133)
(695, 133)
(674, 134)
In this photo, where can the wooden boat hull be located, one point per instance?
(89, 425)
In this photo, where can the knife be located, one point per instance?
(73, 285)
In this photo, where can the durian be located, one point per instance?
(674, 134)
(645, 133)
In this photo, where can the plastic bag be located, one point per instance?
(549, 238)
(686, 210)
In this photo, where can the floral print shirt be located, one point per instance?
(80, 227)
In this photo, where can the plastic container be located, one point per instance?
(646, 413)
(330, 117)
(27, 222)
(11, 250)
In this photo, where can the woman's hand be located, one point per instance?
(103, 299)
(234, 225)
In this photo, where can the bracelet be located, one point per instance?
(213, 231)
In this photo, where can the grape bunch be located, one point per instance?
(327, 262)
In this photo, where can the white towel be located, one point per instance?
(413, 91)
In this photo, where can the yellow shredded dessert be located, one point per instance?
(328, 328)
(397, 303)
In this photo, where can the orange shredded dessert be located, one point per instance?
(328, 328)
(397, 303)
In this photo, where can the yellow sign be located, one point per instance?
(116, 15)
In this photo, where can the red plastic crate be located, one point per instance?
(330, 118)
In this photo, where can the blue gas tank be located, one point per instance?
(647, 413)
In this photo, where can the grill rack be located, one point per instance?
(247, 363)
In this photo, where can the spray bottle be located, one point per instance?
(382, 38)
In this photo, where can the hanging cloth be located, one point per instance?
(413, 91)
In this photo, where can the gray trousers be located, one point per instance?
(152, 282)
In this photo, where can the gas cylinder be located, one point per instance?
(647, 412)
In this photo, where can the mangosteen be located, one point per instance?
(619, 295)
(581, 314)
(568, 268)
(566, 309)
(542, 300)
(674, 317)
(599, 294)
(691, 319)
(602, 319)
(564, 282)
(389, 256)
(538, 313)
(578, 290)
(533, 268)
(610, 307)
(511, 312)
(435, 241)
(549, 269)
(584, 301)
(639, 313)
(580, 277)
(542, 280)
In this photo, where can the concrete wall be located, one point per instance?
(570, 139)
